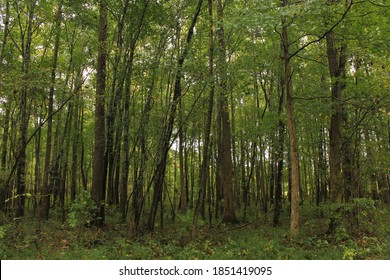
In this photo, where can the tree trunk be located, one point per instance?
(183, 204)
(99, 173)
(4, 149)
(4, 188)
(279, 171)
(24, 116)
(126, 116)
(112, 119)
(291, 128)
(204, 169)
(76, 137)
(336, 61)
(224, 154)
(46, 192)
(279, 151)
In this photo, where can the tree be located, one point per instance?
(98, 190)
(126, 121)
(291, 127)
(204, 169)
(26, 44)
(46, 192)
(224, 150)
(4, 149)
(270, 102)
(336, 61)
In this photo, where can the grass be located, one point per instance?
(24, 239)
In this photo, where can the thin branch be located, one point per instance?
(325, 33)
(378, 5)
(313, 60)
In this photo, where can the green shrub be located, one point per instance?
(357, 216)
(81, 211)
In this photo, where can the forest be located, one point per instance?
(194, 129)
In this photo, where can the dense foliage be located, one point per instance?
(150, 116)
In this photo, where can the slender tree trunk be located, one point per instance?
(5, 21)
(349, 168)
(204, 169)
(183, 201)
(64, 160)
(37, 172)
(291, 128)
(46, 192)
(4, 149)
(243, 181)
(4, 192)
(126, 116)
(218, 175)
(99, 173)
(126, 137)
(112, 119)
(4, 189)
(76, 137)
(279, 151)
(279, 171)
(24, 115)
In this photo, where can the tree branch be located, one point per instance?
(325, 33)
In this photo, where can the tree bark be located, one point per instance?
(204, 169)
(99, 173)
(279, 161)
(4, 192)
(183, 201)
(112, 119)
(224, 153)
(336, 62)
(126, 116)
(291, 128)
(46, 192)
(24, 115)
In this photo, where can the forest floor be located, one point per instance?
(325, 234)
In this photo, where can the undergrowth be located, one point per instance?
(358, 230)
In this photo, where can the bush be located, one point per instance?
(359, 215)
(81, 211)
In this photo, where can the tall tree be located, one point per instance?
(126, 116)
(291, 127)
(99, 173)
(113, 118)
(26, 44)
(224, 151)
(4, 148)
(46, 192)
(204, 169)
(336, 61)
